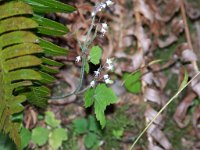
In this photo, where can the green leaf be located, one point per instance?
(90, 139)
(49, 6)
(57, 137)
(25, 136)
(21, 50)
(87, 67)
(80, 125)
(6, 143)
(14, 8)
(38, 96)
(118, 133)
(133, 82)
(46, 78)
(89, 97)
(40, 136)
(51, 62)
(51, 120)
(104, 96)
(93, 124)
(95, 55)
(14, 23)
(16, 37)
(23, 74)
(185, 80)
(21, 62)
(48, 69)
(49, 27)
(52, 49)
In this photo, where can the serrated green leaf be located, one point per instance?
(25, 136)
(80, 125)
(95, 55)
(49, 6)
(133, 82)
(49, 27)
(15, 23)
(90, 139)
(14, 8)
(89, 97)
(51, 120)
(104, 96)
(52, 49)
(93, 124)
(40, 136)
(56, 138)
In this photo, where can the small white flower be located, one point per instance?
(92, 83)
(106, 76)
(103, 5)
(109, 2)
(110, 67)
(104, 25)
(104, 28)
(108, 81)
(78, 58)
(96, 73)
(109, 61)
(93, 14)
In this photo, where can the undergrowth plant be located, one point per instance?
(26, 66)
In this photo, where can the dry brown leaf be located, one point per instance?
(196, 120)
(152, 95)
(182, 109)
(137, 59)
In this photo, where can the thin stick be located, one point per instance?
(187, 32)
(162, 109)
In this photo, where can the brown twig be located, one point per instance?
(187, 31)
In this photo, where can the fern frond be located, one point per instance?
(24, 66)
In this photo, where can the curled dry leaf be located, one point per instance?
(170, 9)
(196, 120)
(142, 7)
(195, 84)
(137, 59)
(182, 109)
(160, 138)
(148, 78)
(152, 95)
(192, 12)
(150, 113)
(168, 41)
(177, 26)
(142, 38)
(189, 55)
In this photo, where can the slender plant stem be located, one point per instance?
(84, 49)
(162, 109)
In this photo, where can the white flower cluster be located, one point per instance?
(106, 78)
(102, 6)
(78, 59)
(104, 28)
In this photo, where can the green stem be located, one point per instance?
(84, 49)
